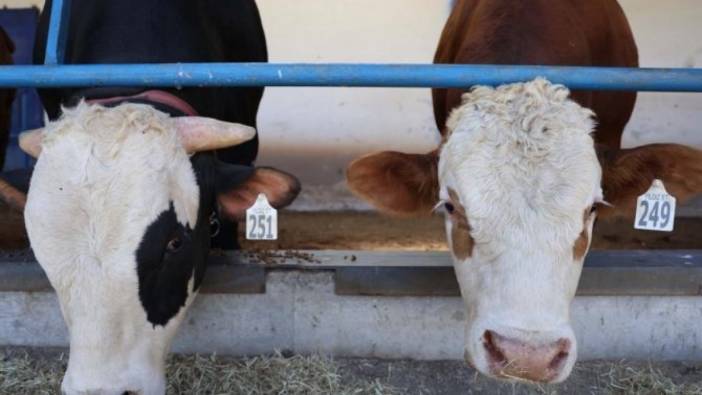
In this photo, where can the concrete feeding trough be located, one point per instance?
(631, 304)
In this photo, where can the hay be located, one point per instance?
(22, 373)
(263, 375)
(33, 371)
(646, 380)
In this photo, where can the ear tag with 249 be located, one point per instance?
(655, 209)
(261, 220)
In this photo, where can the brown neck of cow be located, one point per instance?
(577, 33)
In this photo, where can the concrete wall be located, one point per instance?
(301, 313)
(315, 131)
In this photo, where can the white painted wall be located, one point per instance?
(668, 34)
(324, 128)
(315, 131)
(21, 3)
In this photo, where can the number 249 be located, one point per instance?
(658, 212)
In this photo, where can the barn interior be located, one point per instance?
(315, 132)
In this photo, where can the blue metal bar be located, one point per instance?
(58, 32)
(369, 75)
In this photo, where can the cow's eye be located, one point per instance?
(174, 244)
(593, 209)
(449, 207)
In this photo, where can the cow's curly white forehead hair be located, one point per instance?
(111, 125)
(532, 116)
(523, 146)
(127, 144)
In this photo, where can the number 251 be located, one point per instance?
(259, 222)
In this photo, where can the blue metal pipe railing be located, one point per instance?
(58, 32)
(369, 75)
(55, 74)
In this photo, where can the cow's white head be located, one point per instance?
(519, 179)
(118, 216)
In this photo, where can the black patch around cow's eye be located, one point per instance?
(174, 244)
(449, 207)
(169, 256)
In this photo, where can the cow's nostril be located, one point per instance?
(563, 347)
(557, 361)
(533, 361)
(495, 354)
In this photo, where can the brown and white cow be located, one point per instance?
(519, 178)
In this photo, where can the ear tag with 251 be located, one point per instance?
(261, 220)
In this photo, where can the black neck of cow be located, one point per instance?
(154, 31)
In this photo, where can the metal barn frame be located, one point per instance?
(631, 272)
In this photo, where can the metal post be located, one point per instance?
(58, 32)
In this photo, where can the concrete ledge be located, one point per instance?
(635, 272)
(630, 272)
(225, 274)
(389, 305)
(301, 312)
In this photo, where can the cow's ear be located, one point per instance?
(396, 183)
(626, 174)
(238, 187)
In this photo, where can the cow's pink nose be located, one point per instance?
(509, 357)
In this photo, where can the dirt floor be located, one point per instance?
(371, 231)
(39, 371)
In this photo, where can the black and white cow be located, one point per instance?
(118, 211)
